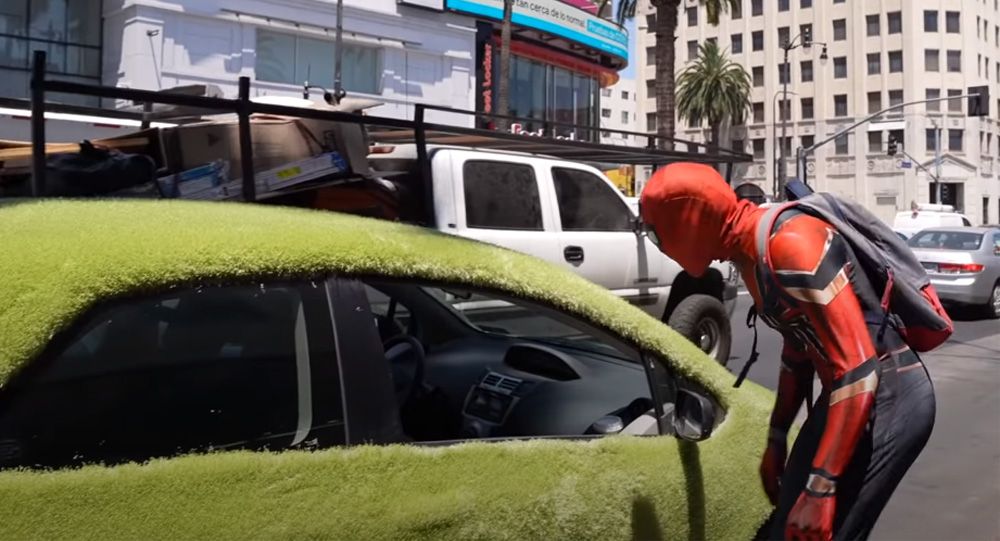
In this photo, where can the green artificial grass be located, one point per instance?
(60, 257)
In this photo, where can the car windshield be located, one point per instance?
(500, 317)
(947, 240)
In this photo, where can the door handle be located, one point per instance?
(573, 254)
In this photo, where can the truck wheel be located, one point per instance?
(702, 320)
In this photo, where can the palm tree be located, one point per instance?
(666, 33)
(715, 89)
(503, 85)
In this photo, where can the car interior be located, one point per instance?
(471, 365)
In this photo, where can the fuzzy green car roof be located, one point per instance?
(60, 257)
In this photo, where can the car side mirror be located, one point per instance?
(694, 416)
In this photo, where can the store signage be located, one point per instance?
(555, 18)
(487, 78)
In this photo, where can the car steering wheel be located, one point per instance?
(405, 355)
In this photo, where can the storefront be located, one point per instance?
(561, 56)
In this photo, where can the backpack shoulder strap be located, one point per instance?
(764, 229)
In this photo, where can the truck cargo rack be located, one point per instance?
(656, 151)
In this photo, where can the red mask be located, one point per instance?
(696, 216)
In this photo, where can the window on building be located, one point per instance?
(895, 22)
(757, 37)
(932, 60)
(955, 61)
(896, 98)
(70, 32)
(692, 16)
(782, 5)
(952, 22)
(838, 1)
(895, 61)
(930, 20)
(736, 43)
(624, 94)
(955, 106)
(605, 92)
(290, 59)
(979, 65)
(872, 25)
(807, 140)
(996, 35)
(758, 149)
(758, 112)
(930, 140)
(807, 108)
(692, 50)
(501, 195)
(839, 30)
(650, 121)
(651, 20)
(897, 136)
(805, 4)
(931, 94)
(758, 75)
(840, 105)
(874, 63)
(650, 56)
(955, 140)
(785, 110)
(978, 32)
(874, 102)
(783, 73)
(650, 88)
(784, 35)
(756, 7)
(842, 145)
(624, 117)
(605, 113)
(786, 145)
(737, 11)
(874, 142)
(840, 67)
(806, 68)
(739, 145)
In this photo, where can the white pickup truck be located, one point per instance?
(572, 215)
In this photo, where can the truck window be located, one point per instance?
(501, 195)
(190, 370)
(588, 203)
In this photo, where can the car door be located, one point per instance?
(193, 369)
(596, 234)
(499, 200)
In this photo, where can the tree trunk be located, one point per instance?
(503, 85)
(666, 29)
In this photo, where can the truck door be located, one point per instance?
(499, 200)
(596, 235)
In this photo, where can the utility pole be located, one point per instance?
(937, 162)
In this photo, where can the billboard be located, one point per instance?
(555, 18)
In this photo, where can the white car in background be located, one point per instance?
(911, 222)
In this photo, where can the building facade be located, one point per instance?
(878, 54)
(619, 111)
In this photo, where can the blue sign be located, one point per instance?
(555, 18)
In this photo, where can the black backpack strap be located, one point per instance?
(752, 324)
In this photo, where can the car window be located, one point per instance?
(947, 240)
(392, 317)
(190, 370)
(501, 367)
(501, 195)
(588, 203)
(996, 244)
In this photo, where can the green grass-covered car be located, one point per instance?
(178, 370)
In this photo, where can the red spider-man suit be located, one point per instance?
(876, 409)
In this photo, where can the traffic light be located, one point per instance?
(893, 147)
(807, 36)
(979, 105)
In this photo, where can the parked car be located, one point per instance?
(963, 263)
(181, 370)
(570, 214)
(927, 216)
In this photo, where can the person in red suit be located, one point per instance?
(876, 408)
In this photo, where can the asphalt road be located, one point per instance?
(952, 492)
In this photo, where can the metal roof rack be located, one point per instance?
(380, 130)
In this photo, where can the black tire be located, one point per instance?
(992, 305)
(702, 319)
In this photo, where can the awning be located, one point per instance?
(887, 126)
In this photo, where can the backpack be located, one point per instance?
(885, 259)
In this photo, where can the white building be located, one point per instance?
(879, 54)
(619, 111)
(393, 52)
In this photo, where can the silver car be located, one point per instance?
(963, 264)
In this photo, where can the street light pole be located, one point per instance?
(804, 39)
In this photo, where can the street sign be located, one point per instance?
(905, 164)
